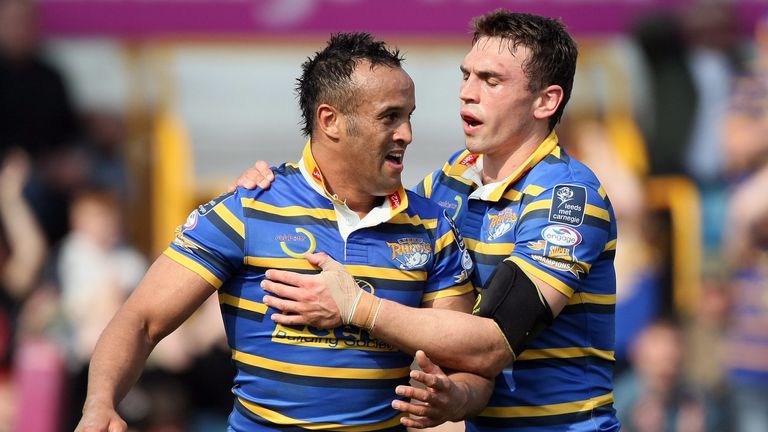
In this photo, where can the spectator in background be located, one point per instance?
(22, 252)
(653, 396)
(638, 290)
(746, 245)
(692, 59)
(746, 358)
(96, 273)
(96, 270)
(746, 123)
(36, 114)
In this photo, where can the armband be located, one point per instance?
(517, 306)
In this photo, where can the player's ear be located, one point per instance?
(546, 104)
(328, 120)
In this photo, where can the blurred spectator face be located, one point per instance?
(96, 217)
(712, 24)
(657, 355)
(18, 29)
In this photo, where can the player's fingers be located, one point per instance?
(436, 382)
(289, 319)
(283, 305)
(414, 393)
(285, 291)
(247, 181)
(264, 170)
(288, 277)
(413, 409)
(426, 364)
(325, 262)
(417, 422)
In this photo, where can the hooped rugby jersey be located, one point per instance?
(300, 377)
(554, 220)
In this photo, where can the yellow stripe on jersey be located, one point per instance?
(320, 371)
(560, 353)
(230, 219)
(283, 420)
(427, 183)
(601, 191)
(548, 410)
(317, 213)
(611, 245)
(538, 205)
(280, 263)
(489, 248)
(546, 277)
(403, 218)
(532, 190)
(444, 241)
(597, 212)
(450, 292)
(195, 267)
(386, 273)
(242, 303)
(601, 299)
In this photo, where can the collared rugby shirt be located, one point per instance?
(299, 377)
(553, 219)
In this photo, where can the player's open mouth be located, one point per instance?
(470, 120)
(395, 157)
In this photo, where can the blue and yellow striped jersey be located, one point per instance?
(553, 219)
(298, 377)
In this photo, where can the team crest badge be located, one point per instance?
(501, 223)
(410, 253)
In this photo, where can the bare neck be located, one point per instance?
(500, 164)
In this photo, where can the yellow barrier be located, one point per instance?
(679, 196)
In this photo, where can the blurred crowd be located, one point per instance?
(66, 263)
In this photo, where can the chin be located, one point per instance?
(390, 188)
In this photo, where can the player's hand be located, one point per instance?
(258, 175)
(313, 297)
(321, 300)
(101, 419)
(433, 405)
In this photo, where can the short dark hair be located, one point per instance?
(553, 51)
(326, 76)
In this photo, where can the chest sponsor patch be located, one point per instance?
(569, 202)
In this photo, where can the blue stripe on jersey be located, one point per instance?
(244, 416)
(298, 376)
(599, 419)
(572, 360)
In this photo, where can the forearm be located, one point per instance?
(117, 360)
(477, 390)
(167, 296)
(451, 339)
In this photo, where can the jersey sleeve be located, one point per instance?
(211, 242)
(424, 187)
(450, 275)
(561, 233)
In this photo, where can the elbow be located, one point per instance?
(487, 363)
